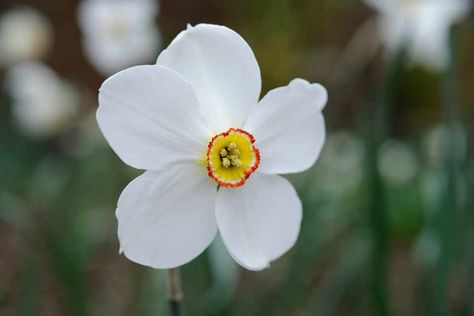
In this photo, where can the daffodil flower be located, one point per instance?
(423, 25)
(211, 149)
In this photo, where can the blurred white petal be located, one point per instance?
(109, 57)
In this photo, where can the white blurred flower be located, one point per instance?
(43, 104)
(397, 162)
(119, 33)
(423, 25)
(25, 34)
(212, 151)
(340, 169)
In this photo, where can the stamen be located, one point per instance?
(237, 162)
(226, 162)
(232, 157)
(232, 146)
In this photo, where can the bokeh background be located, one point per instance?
(388, 223)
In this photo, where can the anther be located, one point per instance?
(226, 162)
(223, 152)
(237, 162)
(232, 146)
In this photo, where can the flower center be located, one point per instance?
(232, 157)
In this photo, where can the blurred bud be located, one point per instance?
(397, 162)
(118, 34)
(340, 168)
(25, 34)
(438, 142)
(43, 104)
(427, 248)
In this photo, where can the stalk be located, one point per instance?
(175, 294)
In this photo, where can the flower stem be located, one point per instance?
(175, 295)
(380, 130)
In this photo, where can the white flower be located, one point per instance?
(194, 120)
(421, 24)
(43, 104)
(24, 34)
(118, 33)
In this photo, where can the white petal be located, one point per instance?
(259, 221)
(166, 219)
(288, 127)
(222, 69)
(150, 116)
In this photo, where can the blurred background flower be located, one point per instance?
(388, 223)
(423, 25)
(118, 34)
(42, 103)
(24, 34)
(397, 162)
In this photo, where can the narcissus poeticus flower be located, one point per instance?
(211, 149)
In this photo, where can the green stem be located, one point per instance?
(380, 119)
(175, 294)
(447, 214)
